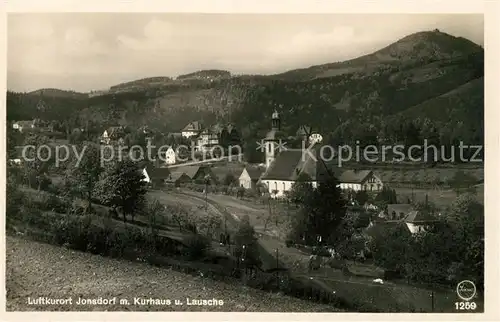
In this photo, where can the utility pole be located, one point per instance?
(207, 178)
(432, 300)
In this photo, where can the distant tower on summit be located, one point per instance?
(272, 139)
(276, 121)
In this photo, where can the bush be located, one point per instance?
(197, 247)
(57, 204)
(251, 193)
(229, 179)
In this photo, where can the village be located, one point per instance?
(293, 172)
(371, 200)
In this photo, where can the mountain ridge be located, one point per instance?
(342, 100)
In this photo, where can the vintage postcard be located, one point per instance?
(246, 161)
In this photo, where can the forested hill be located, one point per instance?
(428, 84)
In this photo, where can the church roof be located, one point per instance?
(254, 172)
(275, 135)
(291, 163)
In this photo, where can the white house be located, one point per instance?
(23, 125)
(170, 156)
(360, 180)
(418, 221)
(155, 176)
(249, 177)
(113, 133)
(192, 129)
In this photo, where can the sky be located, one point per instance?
(93, 51)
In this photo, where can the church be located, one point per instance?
(284, 166)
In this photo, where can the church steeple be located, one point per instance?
(272, 139)
(275, 121)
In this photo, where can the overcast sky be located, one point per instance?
(92, 51)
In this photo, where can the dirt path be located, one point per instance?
(39, 270)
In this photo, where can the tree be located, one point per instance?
(229, 179)
(391, 248)
(321, 213)
(361, 197)
(385, 197)
(246, 244)
(34, 164)
(85, 175)
(121, 185)
(76, 137)
(461, 180)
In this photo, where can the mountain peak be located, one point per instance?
(429, 45)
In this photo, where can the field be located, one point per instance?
(424, 176)
(441, 198)
(56, 272)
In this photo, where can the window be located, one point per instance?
(283, 186)
(275, 186)
(378, 186)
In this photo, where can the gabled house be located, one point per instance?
(418, 221)
(190, 173)
(414, 222)
(155, 176)
(170, 156)
(360, 180)
(23, 125)
(113, 133)
(178, 177)
(303, 132)
(192, 129)
(250, 176)
(16, 158)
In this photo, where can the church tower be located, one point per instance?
(272, 139)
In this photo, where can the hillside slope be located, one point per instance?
(352, 100)
(35, 269)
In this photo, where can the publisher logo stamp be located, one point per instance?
(466, 290)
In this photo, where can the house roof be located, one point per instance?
(291, 163)
(189, 170)
(275, 135)
(254, 172)
(24, 123)
(399, 208)
(416, 217)
(193, 126)
(174, 176)
(354, 176)
(115, 131)
(303, 130)
(158, 173)
(380, 227)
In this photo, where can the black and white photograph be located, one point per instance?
(245, 162)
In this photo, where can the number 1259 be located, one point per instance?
(465, 306)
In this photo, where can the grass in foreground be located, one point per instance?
(36, 269)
